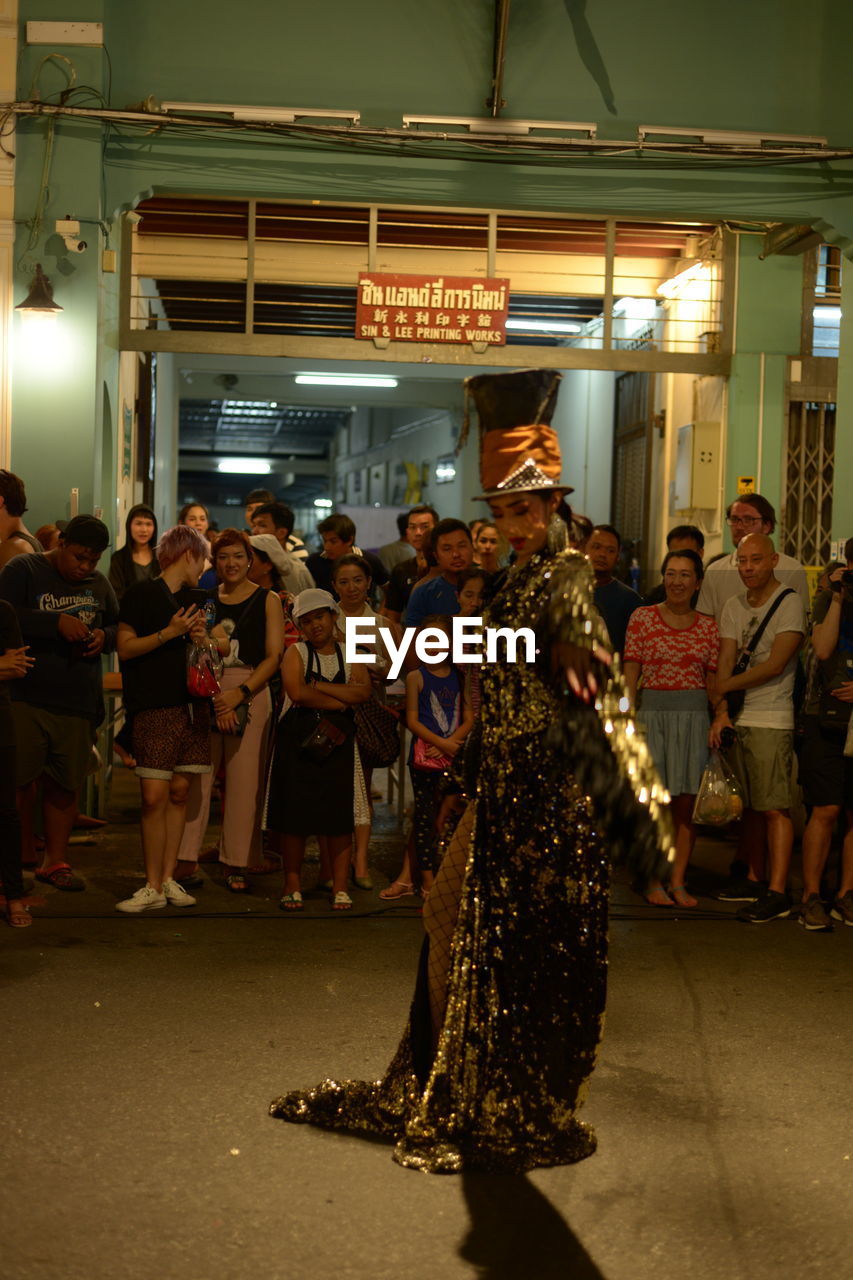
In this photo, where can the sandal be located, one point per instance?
(341, 902)
(18, 914)
(237, 882)
(657, 896)
(681, 896)
(397, 889)
(291, 902)
(61, 877)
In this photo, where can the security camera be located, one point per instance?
(69, 229)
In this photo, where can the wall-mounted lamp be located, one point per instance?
(39, 304)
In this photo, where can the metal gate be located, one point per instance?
(809, 471)
(632, 450)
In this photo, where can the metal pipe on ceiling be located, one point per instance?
(501, 24)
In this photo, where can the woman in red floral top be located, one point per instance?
(673, 650)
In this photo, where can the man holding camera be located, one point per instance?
(826, 774)
(762, 752)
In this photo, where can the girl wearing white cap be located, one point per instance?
(316, 786)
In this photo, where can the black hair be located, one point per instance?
(275, 576)
(687, 531)
(764, 508)
(282, 516)
(352, 562)
(402, 523)
(425, 509)
(693, 556)
(340, 525)
(13, 493)
(848, 550)
(608, 528)
(469, 575)
(579, 530)
(86, 531)
(187, 508)
(258, 495)
(450, 525)
(125, 553)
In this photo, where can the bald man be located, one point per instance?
(762, 756)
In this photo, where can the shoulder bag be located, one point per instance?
(736, 698)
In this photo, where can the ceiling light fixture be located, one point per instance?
(343, 380)
(245, 466)
(39, 304)
(545, 326)
(323, 502)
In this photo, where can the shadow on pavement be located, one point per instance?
(515, 1231)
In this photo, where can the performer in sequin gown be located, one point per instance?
(509, 1001)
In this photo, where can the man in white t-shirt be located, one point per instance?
(750, 513)
(762, 755)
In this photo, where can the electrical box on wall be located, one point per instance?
(697, 467)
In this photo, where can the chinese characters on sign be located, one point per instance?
(431, 308)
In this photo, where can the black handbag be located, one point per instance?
(323, 736)
(834, 715)
(736, 697)
(377, 733)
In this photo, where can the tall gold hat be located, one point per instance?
(519, 449)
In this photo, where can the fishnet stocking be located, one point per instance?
(440, 913)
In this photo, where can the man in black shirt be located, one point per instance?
(68, 614)
(171, 729)
(421, 522)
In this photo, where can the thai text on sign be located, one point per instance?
(431, 308)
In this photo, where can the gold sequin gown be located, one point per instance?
(557, 789)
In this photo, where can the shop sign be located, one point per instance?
(431, 308)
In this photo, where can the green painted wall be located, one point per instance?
(842, 497)
(769, 300)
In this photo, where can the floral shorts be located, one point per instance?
(171, 740)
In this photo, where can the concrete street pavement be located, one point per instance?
(140, 1053)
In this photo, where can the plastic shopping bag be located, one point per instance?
(203, 667)
(718, 800)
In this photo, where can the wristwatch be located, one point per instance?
(246, 692)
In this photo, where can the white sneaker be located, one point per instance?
(177, 895)
(142, 900)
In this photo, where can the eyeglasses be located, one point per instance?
(745, 522)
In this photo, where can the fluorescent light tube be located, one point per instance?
(245, 466)
(545, 326)
(343, 380)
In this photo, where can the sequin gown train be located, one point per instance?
(558, 790)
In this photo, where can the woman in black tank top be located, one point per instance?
(249, 631)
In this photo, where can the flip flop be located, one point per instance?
(237, 882)
(341, 902)
(291, 902)
(61, 877)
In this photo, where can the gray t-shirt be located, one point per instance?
(722, 581)
(770, 705)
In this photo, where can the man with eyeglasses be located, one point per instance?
(749, 513)
(421, 521)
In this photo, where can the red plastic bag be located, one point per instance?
(203, 667)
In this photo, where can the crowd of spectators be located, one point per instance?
(729, 656)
